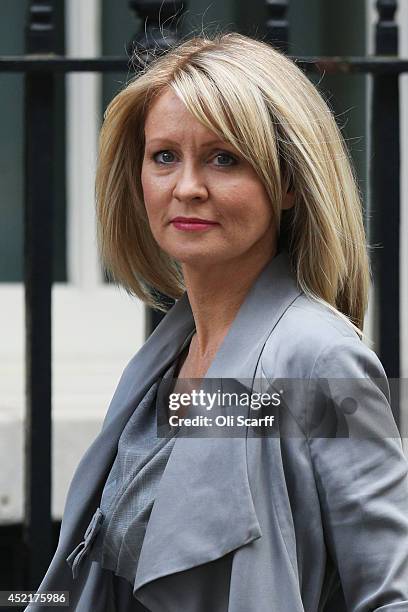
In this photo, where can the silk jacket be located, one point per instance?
(287, 523)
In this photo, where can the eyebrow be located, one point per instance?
(169, 140)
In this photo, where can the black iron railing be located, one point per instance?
(40, 66)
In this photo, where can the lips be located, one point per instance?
(193, 220)
(193, 224)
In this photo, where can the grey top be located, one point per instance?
(130, 489)
(117, 529)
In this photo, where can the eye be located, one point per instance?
(225, 157)
(154, 156)
(224, 154)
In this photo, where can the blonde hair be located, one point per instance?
(257, 99)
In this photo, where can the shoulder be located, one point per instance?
(312, 340)
(342, 373)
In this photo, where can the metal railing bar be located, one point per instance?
(330, 65)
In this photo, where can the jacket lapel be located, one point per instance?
(204, 506)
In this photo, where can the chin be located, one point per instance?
(197, 258)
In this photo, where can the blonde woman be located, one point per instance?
(224, 182)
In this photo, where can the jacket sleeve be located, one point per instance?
(361, 475)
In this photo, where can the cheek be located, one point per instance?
(146, 183)
(155, 189)
(260, 207)
(151, 211)
(253, 207)
(151, 194)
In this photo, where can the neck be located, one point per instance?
(215, 293)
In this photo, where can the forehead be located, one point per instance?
(169, 118)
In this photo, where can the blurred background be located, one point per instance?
(66, 332)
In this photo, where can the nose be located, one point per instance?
(190, 184)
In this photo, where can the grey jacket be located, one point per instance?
(298, 522)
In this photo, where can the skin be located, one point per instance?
(200, 178)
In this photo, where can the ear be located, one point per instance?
(288, 200)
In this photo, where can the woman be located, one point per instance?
(224, 182)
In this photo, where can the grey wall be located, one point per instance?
(11, 147)
(12, 23)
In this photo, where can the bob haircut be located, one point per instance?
(276, 118)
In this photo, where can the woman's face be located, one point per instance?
(188, 172)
